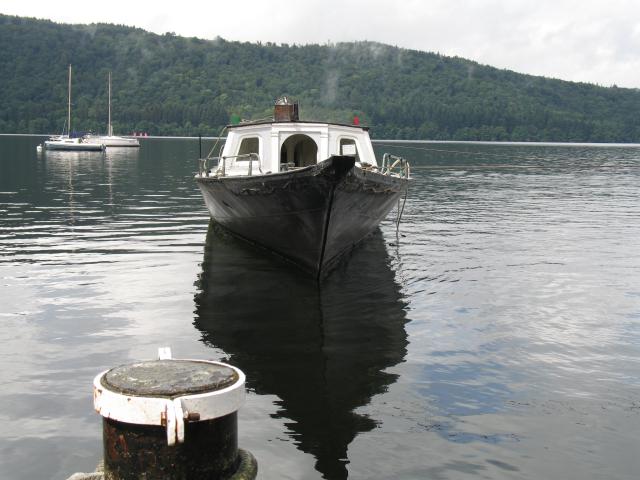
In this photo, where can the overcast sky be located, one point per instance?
(594, 41)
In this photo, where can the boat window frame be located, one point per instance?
(242, 138)
(356, 142)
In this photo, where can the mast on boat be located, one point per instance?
(109, 127)
(69, 106)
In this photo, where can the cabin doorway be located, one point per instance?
(299, 151)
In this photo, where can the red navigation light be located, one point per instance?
(356, 120)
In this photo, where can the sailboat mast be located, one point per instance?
(109, 129)
(69, 106)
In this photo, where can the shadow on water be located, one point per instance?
(322, 350)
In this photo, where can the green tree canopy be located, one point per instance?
(171, 85)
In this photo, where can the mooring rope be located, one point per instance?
(489, 154)
(401, 211)
(395, 145)
(522, 167)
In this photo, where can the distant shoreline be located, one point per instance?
(468, 142)
(493, 142)
(124, 136)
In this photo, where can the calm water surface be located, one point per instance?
(497, 338)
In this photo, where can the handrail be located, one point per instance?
(250, 156)
(389, 164)
(388, 167)
(221, 169)
(404, 172)
(202, 166)
(203, 161)
(255, 156)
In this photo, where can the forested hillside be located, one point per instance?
(170, 85)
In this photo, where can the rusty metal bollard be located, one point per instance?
(172, 419)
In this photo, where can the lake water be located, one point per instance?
(498, 337)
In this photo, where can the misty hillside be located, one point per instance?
(170, 85)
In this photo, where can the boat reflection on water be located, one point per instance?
(322, 349)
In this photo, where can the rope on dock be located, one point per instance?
(247, 468)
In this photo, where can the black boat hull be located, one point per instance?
(311, 216)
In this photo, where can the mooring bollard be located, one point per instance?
(172, 419)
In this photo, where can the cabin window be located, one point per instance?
(299, 150)
(348, 146)
(249, 145)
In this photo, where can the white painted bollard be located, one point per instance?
(172, 419)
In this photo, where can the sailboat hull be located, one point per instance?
(111, 141)
(72, 146)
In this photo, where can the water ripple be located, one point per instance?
(497, 336)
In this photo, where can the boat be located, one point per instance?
(68, 142)
(72, 144)
(308, 191)
(110, 140)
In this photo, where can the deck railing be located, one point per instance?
(394, 165)
(221, 169)
(391, 165)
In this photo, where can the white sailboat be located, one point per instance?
(66, 142)
(110, 140)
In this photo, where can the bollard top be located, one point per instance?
(169, 378)
(169, 392)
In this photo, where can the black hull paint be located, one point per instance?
(311, 216)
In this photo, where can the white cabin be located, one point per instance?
(281, 146)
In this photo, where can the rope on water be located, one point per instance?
(463, 152)
(401, 211)
(491, 166)
(525, 167)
